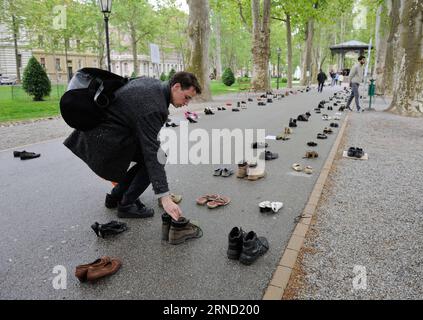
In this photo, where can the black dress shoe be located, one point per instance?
(110, 228)
(292, 123)
(359, 153)
(134, 210)
(112, 202)
(28, 155)
(351, 152)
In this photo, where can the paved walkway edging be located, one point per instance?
(280, 279)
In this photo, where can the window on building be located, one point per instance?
(94, 63)
(79, 64)
(125, 68)
(43, 62)
(78, 45)
(145, 68)
(58, 68)
(67, 43)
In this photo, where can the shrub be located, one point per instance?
(163, 77)
(171, 73)
(228, 77)
(35, 81)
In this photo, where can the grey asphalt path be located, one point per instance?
(48, 204)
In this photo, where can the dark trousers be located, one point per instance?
(133, 184)
(354, 94)
(320, 88)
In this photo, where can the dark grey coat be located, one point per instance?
(130, 133)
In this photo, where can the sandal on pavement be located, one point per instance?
(206, 198)
(220, 201)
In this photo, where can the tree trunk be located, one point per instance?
(261, 45)
(218, 48)
(66, 59)
(199, 34)
(305, 80)
(391, 50)
(15, 44)
(134, 49)
(408, 93)
(381, 45)
(289, 47)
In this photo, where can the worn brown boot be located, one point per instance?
(242, 170)
(182, 230)
(166, 219)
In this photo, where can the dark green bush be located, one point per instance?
(171, 73)
(163, 77)
(35, 81)
(228, 77)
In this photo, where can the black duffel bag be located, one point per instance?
(90, 92)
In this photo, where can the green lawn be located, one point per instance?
(15, 104)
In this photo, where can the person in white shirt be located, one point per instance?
(356, 77)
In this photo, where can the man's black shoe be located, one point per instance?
(252, 248)
(134, 210)
(292, 123)
(26, 155)
(359, 153)
(351, 152)
(235, 239)
(112, 202)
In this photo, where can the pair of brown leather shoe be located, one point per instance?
(98, 269)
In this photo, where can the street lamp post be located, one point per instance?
(106, 8)
(279, 58)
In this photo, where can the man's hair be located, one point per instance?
(361, 58)
(187, 80)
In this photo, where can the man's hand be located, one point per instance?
(171, 207)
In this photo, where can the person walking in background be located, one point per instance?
(340, 78)
(356, 77)
(336, 78)
(321, 78)
(332, 75)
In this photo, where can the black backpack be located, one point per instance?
(90, 92)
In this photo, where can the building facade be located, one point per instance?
(123, 64)
(60, 70)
